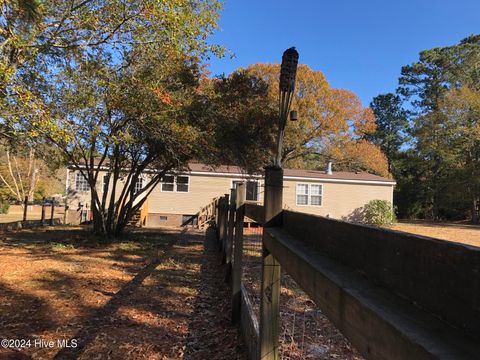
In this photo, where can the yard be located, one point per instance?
(457, 232)
(148, 296)
(34, 212)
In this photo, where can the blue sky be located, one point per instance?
(359, 45)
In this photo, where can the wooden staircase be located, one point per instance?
(207, 215)
(139, 219)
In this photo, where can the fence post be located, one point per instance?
(221, 214)
(224, 226)
(25, 206)
(238, 253)
(270, 290)
(229, 241)
(52, 212)
(42, 218)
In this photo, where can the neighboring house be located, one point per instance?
(181, 196)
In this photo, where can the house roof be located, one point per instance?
(340, 176)
(295, 173)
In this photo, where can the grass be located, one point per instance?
(456, 232)
(16, 214)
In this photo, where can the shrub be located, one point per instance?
(379, 213)
(4, 206)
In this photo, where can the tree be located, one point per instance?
(434, 86)
(25, 171)
(332, 122)
(119, 107)
(20, 175)
(461, 136)
(238, 120)
(38, 38)
(392, 124)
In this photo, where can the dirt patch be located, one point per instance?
(149, 296)
(462, 233)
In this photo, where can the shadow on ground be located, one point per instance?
(153, 295)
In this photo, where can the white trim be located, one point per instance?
(309, 194)
(299, 178)
(376, 182)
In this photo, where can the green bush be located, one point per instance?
(379, 213)
(4, 206)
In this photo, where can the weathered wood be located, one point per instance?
(380, 324)
(255, 212)
(270, 288)
(440, 276)
(229, 240)
(238, 252)
(224, 226)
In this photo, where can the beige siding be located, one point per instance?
(76, 197)
(339, 200)
(202, 190)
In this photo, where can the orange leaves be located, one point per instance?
(359, 155)
(328, 117)
(163, 96)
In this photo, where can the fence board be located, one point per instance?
(255, 212)
(441, 276)
(380, 324)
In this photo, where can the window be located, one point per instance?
(252, 189)
(167, 183)
(315, 195)
(163, 218)
(182, 183)
(309, 194)
(172, 183)
(138, 185)
(81, 183)
(302, 194)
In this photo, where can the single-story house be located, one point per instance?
(181, 196)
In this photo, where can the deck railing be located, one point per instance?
(393, 295)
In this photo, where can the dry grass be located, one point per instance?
(457, 232)
(137, 298)
(15, 213)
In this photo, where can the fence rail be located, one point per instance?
(393, 295)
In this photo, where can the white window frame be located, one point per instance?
(175, 184)
(77, 174)
(309, 194)
(140, 179)
(245, 181)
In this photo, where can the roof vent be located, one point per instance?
(328, 170)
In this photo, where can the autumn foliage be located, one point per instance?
(332, 123)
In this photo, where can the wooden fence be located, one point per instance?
(393, 295)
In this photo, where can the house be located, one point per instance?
(180, 197)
